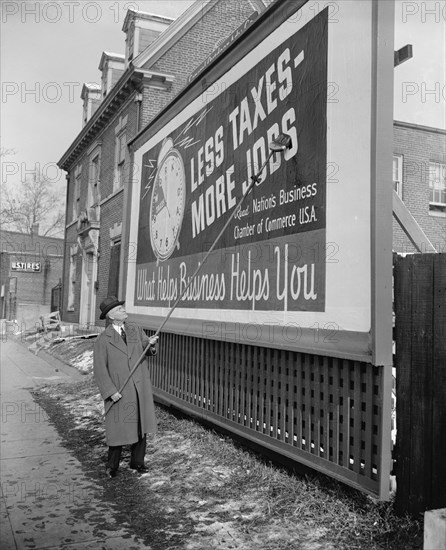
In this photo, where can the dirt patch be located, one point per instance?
(204, 492)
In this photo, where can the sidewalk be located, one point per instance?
(47, 500)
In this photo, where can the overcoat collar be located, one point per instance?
(115, 339)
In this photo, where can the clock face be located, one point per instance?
(167, 204)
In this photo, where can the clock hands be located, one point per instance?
(162, 203)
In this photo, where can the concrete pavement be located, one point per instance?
(47, 501)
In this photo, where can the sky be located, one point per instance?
(49, 49)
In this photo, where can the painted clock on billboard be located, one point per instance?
(167, 202)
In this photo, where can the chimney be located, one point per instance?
(91, 96)
(141, 30)
(112, 67)
(35, 229)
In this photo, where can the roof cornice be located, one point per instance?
(128, 83)
(421, 127)
(146, 16)
(108, 56)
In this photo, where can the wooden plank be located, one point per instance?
(307, 403)
(163, 368)
(316, 402)
(344, 426)
(438, 478)
(326, 407)
(356, 414)
(226, 366)
(232, 381)
(175, 364)
(378, 393)
(294, 400)
(256, 389)
(272, 393)
(170, 364)
(216, 360)
(190, 352)
(336, 411)
(368, 416)
(239, 368)
(283, 427)
(275, 377)
(208, 373)
(200, 367)
(212, 379)
(249, 388)
(403, 288)
(197, 360)
(297, 381)
(164, 384)
(288, 411)
(267, 391)
(243, 385)
(221, 378)
(262, 405)
(422, 382)
(182, 367)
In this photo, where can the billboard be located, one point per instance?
(294, 266)
(192, 179)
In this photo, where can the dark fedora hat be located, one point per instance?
(108, 304)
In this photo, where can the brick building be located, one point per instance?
(30, 266)
(160, 55)
(419, 175)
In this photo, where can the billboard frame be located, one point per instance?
(373, 347)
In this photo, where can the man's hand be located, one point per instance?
(153, 340)
(115, 397)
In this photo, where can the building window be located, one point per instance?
(77, 192)
(437, 187)
(121, 145)
(398, 175)
(113, 274)
(120, 153)
(72, 278)
(93, 180)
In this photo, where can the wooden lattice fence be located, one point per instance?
(323, 412)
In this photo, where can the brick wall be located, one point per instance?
(32, 296)
(418, 146)
(192, 49)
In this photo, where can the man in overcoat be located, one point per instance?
(132, 413)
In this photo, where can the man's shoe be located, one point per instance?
(140, 468)
(111, 473)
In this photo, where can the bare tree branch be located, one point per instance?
(33, 201)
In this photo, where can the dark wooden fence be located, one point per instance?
(420, 336)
